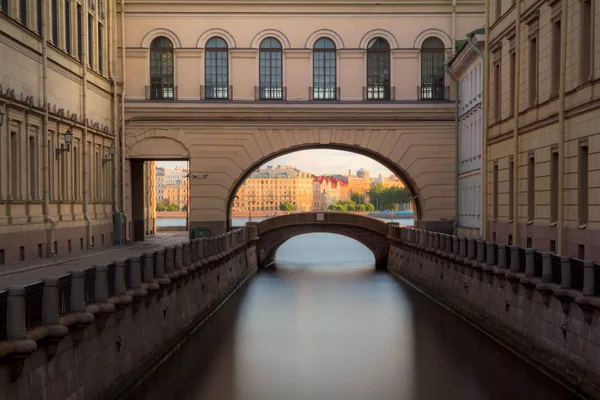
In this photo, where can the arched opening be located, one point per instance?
(216, 70)
(302, 179)
(161, 69)
(324, 251)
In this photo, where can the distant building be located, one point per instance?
(268, 187)
(171, 185)
(357, 184)
(390, 181)
(176, 194)
(327, 191)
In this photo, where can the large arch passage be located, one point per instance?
(415, 142)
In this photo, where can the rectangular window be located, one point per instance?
(531, 189)
(32, 168)
(4, 6)
(23, 11)
(79, 27)
(39, 12)
(581, 252)
(495, 211)
(586, 42)
(498, 9)
(555, 70)
(529, 242)
(90, 41)
(63, 175)
(100, 50)
(68, 26)
(511, 191)
(101, 9)
(55, 22)
(513, 74)
(533, 70)
(554, 187)
(583, 185)
(22, 253)
(14, 164)
(497, 87)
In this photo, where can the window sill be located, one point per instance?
(510, 221)
(582, 226)
(530, 222)
(553, 224)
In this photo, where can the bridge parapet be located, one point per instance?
(191, 278)
(275, 231)
(538, 302)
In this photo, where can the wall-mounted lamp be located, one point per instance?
(68, 139)
(1, 118)
(111, 155)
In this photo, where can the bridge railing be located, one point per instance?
(85, 294)
(324, 217)
(568, 279)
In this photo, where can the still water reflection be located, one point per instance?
(324, 325)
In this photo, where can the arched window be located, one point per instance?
(324, 70)
(378, 70)
(271, 70)
(161, 69)
(217, 69)
(432, 70)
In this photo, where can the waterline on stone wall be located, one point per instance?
(505, 344)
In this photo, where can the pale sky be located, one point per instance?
(318, 162)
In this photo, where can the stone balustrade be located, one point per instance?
(38, 316)
(546, 306)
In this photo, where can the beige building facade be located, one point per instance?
(543, 172)
(229, 86)
(57, 136)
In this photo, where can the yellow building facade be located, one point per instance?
(543, 136)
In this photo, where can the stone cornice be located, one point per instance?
(420, 112)
(297, 53)
(189, 53)
(136, 52)
(405, 53)
(351, 53)
(243, 53)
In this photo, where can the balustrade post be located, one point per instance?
(455, 245)
(120, 286)
(186, 255)
(470, 248)
(546, 267)
(135, 273)
(101, 284)
(490, 254)
(514, 259)
(481, 253)
(502, 256)
(178, 257)
(160, 263)
(529, 263)
(430, 240)
(78, 290)
(201, 249)
(16, 326)
(148, 267)
(436, 241)
(194, 251)
(170, 259)
(589, 278)
(50, 313)
(565, 272)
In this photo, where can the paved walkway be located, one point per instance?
(27, 272)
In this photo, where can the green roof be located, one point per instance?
(459, 44)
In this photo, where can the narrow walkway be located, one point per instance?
(31, 271)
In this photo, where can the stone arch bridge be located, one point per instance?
(371, 232)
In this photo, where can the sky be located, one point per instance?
(318, 162)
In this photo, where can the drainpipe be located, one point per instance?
(517, 90)
(482, 224)
(45, 157)
(122, 133)
(85, 172)
(456, 138)
(113, 84)
(561, 129)
(486, 105)
(453, 27)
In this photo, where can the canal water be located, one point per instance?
(160, 222)
(324, 325)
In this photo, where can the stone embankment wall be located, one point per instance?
(544, 306)
(95, 331)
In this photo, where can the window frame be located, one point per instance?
(220, 91)
(431, 55)
(325, 91)
(162, 86)
(379, 88)
(270, 92)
